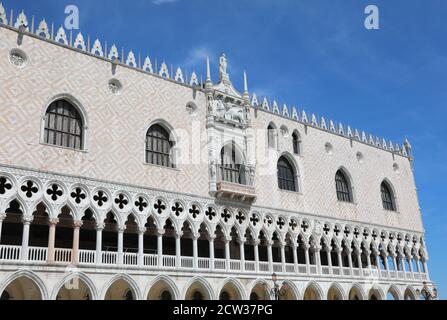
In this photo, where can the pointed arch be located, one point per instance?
(234, 289)
(357, 292)
(394, 291)
(198, 284)
(133, 286)
(288, 173)
(260, 290)
(160, 284)
(64, 108)
(336, 292)
(76, 278)
(313, 292)
(376, 293)
(29, 276)
(389, 200)
(297, 143)
(160, 144)
(272, 136)
(344, 186)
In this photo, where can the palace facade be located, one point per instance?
(123, 178)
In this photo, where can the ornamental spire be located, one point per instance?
(208, 82)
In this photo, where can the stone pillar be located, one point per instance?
(242, 254)
(2, 217)
(283, 256)
(75, 253)
(51, 239)
(270, 255)
(340, 261)
(410, 262)
(195, 251)
(402, 263)
(359, 259)
(141, 232)
(99, 228)
(160, 234)
(227, 253)
(418, 266)
(256, 250)
(178, 249)
(25, 236)
(368, 259)
(295, 257)
(120, 244)
(306, 255)
(396, 267)
(211, 241)
(329, 259)
(318, 259)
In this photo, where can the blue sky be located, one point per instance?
(316, 55)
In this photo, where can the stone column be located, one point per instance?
(120, 244)
(295, 257)
(283, 256)
(329, 259)
(410, 262)
(227, 253)
(2, 217)
(306, 256)
(75, 253)
(340, 261)
(25, 236)
(242, 254)
(51, 239)
(368, 259)
(99, 228)
(402, 263)
(141, 232)
(160, 234)
(211, 242)
(270, 255)
(178, 249)
(359, 259)
(256, 250)
(195, 251)
(418, 266)
(318, 259)
(396, 267)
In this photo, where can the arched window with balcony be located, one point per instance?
(286, 175)
(64, 125)
(343, 186)
(159, 146)
(388, 199)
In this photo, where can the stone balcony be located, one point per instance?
(236, 184)
(36, 256)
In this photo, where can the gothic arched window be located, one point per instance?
(387, 197)
(343, 187)
(63, 125)
(296, 143)
(286, 175)
(159, 147)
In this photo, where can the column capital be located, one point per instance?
(178, 235)
(269, 243)
(142, 230)
(2, 217)
(121, 229)
(256, 242)
(27, 220)
(100, 226)
(228, 239)
(242, 241)
(78, 224)
(161, 232)
(211, 237)
(53, 221)
(196, 236)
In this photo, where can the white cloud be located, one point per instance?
(160, 2)
(197, 56)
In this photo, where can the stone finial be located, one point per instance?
(97, 48)
(22, 21)
(179, 75)
(304, 117)
(246, 95)
(42, 30)
(265, 104)
(254, 101)
(275, 107)
(223, 66)
(147, 66)
(323, 123)
(332, 126)
(341, 130)
(408, 148)
(3, 18)
(164, 71)
(350, 135)
(131, 61)
(61, 36)
(79, 42)
(314, 121)
(285, 111)
(357, 135)
(194, 80)
(113, 54)
(295, 114)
